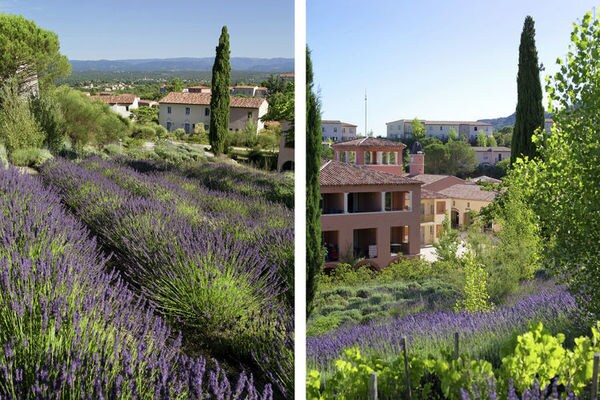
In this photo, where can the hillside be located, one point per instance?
(501, 122)
(273, 65)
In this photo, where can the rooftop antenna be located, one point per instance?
(366, 133)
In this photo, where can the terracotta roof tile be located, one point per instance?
(469, 192)
(428, 194)
(494, 148)
(116, 99)
(204, 99)
(369, 142)
(335, 173)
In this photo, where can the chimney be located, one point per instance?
(417, 160)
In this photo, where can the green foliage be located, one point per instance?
(27, 50)
(418, 129)
(30, 157)
(3, 156)
(452, 135)
(315, 253)
(48, 115)
(475, 296)
(219, 101)
(145, 132)
(145, 115)
(447, 244)
(18, 127)
(530, 112)
(89, 122)
(491, 141)
(534, 355)
(482, 139)
(452, 158)
(562, 186)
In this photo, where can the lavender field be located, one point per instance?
(122, 284)
(482, 335)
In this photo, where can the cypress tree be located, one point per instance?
(314, 248)
(219, 100)
(530, 112)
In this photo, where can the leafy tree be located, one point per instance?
(447, 244)
(475, 297)
(482, 139)
(491, 141)
(530, 112)
(314, 249)
(18, 127)
(562, 186)
(219, 101)
(89, 122)
(145, 115)
(437, 158)
(418, 129)
(27, 50)
(175, 85)
(452, 135)
(48, 114)
(463, 159)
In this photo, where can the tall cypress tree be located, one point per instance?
(314, 248)
(530, 112)
(219, 100)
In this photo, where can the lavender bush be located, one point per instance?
(69, 329)
(481, 334)
(209, 273)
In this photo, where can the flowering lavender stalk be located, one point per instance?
(184, 258)
(69, 329)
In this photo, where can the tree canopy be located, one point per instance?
(219, 100)
(563, 185)
(26, 50)
(530, 112)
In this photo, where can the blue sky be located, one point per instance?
(432, 59)
(113, 29)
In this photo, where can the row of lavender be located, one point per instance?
(70, 329)
(216, 265)
(482, 335)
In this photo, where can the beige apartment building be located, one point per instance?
(402, 128)
(337, 131)
(185, 110)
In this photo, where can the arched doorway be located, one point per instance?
(454, 218)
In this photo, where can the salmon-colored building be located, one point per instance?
(368, 215)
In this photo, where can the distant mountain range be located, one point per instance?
(499, 123)
(275, 65)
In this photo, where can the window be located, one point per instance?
(206, 112)
(169, 126)
(206, 127)
(335, 129)
(499, 157)
(169, 110)
(187, 111)
(186, 127)
(343, 130)
(468, 205)
(422, 209)
(322, 129)
(126, 108)
(250, 115)
(431, 210)
(453, 203)
(441, 128)
(475, 129)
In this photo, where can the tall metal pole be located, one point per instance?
(366, 133)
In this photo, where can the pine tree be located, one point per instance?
(219, 100)
(530, 112)
(314, 249)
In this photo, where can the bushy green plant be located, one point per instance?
(475, 295)
(18, 126)
(146, 132)
(30, 157)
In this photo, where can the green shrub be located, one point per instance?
(114, 149)
(30, 157)
(323, 324)
(145, 132)
(18, 126)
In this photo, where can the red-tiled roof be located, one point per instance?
(204, 99)
(428, 194)
(335, 173)
(199, 87)
(116, 99)
(469, 192)
(493, 148)
(370, 142)
(485, 178)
